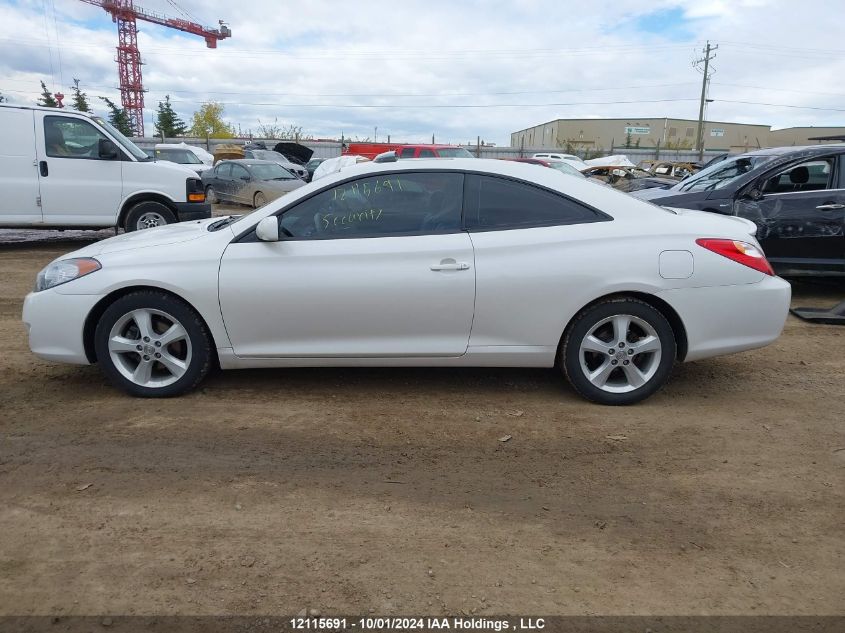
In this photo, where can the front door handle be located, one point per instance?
(450, 264)
(830, 205)
(42, 167)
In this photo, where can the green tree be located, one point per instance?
(208, 121)
(47, 99)
(167, 122)
(80, 99)
(118, 117)
(628, 140)
(2, 98)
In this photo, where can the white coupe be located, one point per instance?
(440, 262)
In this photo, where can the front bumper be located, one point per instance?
(192, 210)
(727, 319)
(55, 325)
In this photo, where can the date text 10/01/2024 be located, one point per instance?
(418, 624)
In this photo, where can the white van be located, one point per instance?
(61, 169)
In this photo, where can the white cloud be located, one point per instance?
(291, 55)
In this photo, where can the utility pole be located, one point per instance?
(705, 80)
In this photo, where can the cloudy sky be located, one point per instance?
(455, 69)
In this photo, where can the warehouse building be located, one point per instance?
(589, 135)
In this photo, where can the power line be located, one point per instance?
(166, 90)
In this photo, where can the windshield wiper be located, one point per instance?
(214, 226)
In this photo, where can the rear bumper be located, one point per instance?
(192, 210)
(727, 319)
(55, 324)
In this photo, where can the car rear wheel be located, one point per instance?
(618, 351)
(259, 200)
(152, 344)
(148, 215)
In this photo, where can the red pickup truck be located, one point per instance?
(406, 150)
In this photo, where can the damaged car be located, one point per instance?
(252, 182)
(628, 178)
(795, 196)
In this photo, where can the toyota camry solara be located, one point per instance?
(443, 262)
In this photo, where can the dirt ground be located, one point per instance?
(390, 491)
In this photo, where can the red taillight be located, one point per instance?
(740, 252)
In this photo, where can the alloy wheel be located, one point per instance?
(150, 347)
(620, 353)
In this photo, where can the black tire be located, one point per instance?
(211, 196)
(142, 215)
(586, 322)
(258, 200)
(198, 344)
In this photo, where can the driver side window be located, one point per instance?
(385, 205)
(67, 137)
(811, 175)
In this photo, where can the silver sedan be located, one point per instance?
(252, 182)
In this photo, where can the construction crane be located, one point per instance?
(126, 14)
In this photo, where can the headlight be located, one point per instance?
(65, 270)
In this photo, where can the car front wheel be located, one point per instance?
(618, 351)
(152, 344)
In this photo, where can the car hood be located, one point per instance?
(295, 151)
(159, 236)
(282, 185)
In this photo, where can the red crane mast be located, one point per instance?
(126, 14)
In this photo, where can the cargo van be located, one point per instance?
(63, 169)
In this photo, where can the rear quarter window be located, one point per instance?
(501, 203)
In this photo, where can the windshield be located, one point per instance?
(269, 154)
(181, 156)
(270, 171)
(454, 152)
(721, 174)
(128, 145)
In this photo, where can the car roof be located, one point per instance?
(798, 149)
(248, 161)
(587, 191)
(65, 110)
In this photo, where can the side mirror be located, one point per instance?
(754, 194)
(246, 178)
(106, 149)
(267, 229)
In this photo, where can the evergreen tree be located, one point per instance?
(47, 99)
(2, 98)
(118, 117)
(167, 122)
(80, 99)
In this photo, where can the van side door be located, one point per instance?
(78, 187)
(19, 202)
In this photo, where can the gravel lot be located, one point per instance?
(390, 490)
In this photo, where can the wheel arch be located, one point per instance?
(678, 329)
(102, 305)
(144, 196)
